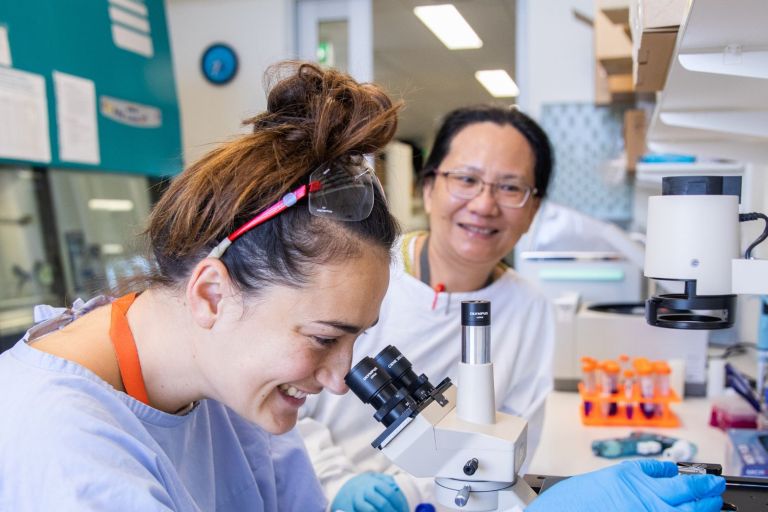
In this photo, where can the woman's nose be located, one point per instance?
(484, 202)
(331, 374)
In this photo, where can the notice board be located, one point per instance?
(88, 84)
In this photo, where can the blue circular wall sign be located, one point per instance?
(219, 64)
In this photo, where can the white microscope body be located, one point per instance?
(438, 443)
(454, 435)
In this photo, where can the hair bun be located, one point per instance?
(325, 112)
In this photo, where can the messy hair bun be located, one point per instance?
(326, 114)
(314, 116)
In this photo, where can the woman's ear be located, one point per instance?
(208, 284)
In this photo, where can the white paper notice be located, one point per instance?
(23, 117)
(5, 48)
(76, 119)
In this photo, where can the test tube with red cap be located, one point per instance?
(662, 372)
(589, 381)
(610, 387)
(647, 387)
(629, 393)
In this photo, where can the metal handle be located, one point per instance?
(462, 497)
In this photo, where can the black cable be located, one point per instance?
(734, 350)
(754, 216)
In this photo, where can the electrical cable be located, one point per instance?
(743, 217)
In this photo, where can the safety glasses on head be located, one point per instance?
(342, 191)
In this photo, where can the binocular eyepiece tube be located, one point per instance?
(389, 384)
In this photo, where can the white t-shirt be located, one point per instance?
(338, 430)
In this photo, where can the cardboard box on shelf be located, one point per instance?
(620, 84)
(617, 15)
(611, 41)
(612, 88)
(652, 59)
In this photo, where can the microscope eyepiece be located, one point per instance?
(390, 385)
(475, 331)
(400, 369)
(476, 312)
(371, 383)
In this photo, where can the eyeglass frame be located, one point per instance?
(529, 190)
(288, 200)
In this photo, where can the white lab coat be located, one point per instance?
(338, 430)
(559, 228)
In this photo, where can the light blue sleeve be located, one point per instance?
(82, 458)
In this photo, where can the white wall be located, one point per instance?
(260, 31)
(554, 56)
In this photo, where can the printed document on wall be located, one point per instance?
(5, 48)
(23, 117)
(76, 119)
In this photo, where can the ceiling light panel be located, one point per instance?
(450, 27)
(498, 83)
(111, 205)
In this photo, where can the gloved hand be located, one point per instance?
(636, 485)
(370, 492)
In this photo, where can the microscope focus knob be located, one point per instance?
(470, 467)
(462, 497)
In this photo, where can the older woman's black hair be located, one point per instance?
(458, 119)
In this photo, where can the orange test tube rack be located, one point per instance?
(663, 416)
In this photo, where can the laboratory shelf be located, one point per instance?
(715, 101)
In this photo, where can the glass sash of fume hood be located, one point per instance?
(26, 272)
(99, 219)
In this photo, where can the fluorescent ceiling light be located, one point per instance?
(112, 249)
(111, 205)
(449, 26)
(498, 83)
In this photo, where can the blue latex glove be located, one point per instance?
(636, 485)
(370, 492)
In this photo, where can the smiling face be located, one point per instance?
(479, 231)
(265, 358)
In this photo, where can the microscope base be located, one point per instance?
(484, 496)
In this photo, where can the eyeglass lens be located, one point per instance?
(345, 193)
(511, 193)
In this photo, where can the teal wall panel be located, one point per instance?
(76, 37)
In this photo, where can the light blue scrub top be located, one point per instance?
(71, 442)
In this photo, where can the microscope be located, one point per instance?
(452, 434)
(693, 237)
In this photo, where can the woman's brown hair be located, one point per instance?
(314, 116)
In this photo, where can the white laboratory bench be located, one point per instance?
(566, 445)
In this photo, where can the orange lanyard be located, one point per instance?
(125, 348)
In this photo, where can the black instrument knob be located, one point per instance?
(470, 467)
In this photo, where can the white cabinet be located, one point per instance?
(715, 102)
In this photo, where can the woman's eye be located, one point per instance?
(510, 188)
(324, 341)
(465, 180)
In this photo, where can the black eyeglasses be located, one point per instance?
(509, 193)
